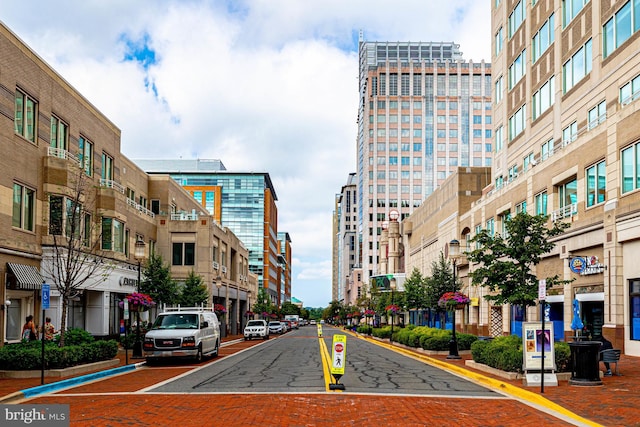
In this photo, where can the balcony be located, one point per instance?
(108, 183)
(62, 154)
(140, 208)
(216, 266)
(564, 212)
(184, 216)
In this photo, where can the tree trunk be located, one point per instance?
(63, 320)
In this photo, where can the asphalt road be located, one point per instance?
(293, 363)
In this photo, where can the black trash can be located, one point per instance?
(585, 369)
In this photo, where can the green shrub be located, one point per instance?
(28, 355)
(76, 336)
(364, 329)
(563, 356)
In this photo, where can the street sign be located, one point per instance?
(46, 293)
(339, 354)
(542, 290)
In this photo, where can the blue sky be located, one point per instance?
(263, 85)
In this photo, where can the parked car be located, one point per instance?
(312, 322)
(256, 329)
(183, 332)
(276, 327)
(288, 324)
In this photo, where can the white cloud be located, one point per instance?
(263, 85)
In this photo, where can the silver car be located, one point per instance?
(276, 327)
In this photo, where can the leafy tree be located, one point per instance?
(335, 309)
(504, 263)
(157, 281)
(263, 303)
(73, 256)
(440, 282)
(289, 308)
(415, 290)
(194, 292)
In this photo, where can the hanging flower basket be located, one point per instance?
(138, 302)
(369, 313)
(219, 309)
(392, 309)
(453, 301)
(249, 313)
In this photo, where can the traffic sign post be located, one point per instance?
(45, 298)
(339, 359)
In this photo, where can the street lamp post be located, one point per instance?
(454, 254)
(138, 255)
(392, 285)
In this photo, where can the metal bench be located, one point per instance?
(611, 355)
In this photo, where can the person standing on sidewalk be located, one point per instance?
(49, 329)
(29, 329)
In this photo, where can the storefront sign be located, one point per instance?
(585, 266)
(127, 281)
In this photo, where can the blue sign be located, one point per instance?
(46, 291)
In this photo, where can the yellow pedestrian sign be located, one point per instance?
(339, 359)
(319, 330)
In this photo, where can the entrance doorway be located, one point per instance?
(593, 318)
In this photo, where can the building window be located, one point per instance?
(596, 184)
(634, 308)
(570, 133)
(516, 18)
(570, 9)
(498, 139)
(541, 203)
(417, 85)
(65, 214)
(526, 161)
(542, 39)
(383, 84)
(518, 69)
(26, 112)
(85, 148)
(491, 226)
(630, 168)
(576, 68)
(404, 84)
(505, 217)
(597, 115)
(517, 122)
(393, 84)
(618, 29)
(546, 150)
(543, 98)
(478, 230)
(374, 86)
(568, 195)
(59, 134)
(23, 207)
(499, 41)
(630, 91)
(107, 167)
(113, 235)
(184, 254)
(521, 207)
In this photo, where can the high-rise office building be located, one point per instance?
(345, 286)
(423, 112)
(245, 202)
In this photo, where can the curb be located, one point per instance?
(59, 385)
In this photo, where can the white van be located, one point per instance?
(183, 332)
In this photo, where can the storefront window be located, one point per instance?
(634, 305)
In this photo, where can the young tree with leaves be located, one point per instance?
(157, 282)
(194, 293)
(415, 290)
(440, 282)
(503, 264)
(74, 258)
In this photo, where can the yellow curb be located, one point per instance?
(491, 383)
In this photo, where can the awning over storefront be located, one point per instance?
(28, 278)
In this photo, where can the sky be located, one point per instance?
(263, 85)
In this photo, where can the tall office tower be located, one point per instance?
(423, 112)
(346, 250)
(284, 266)
(245, 202)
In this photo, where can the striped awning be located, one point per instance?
(27, 276)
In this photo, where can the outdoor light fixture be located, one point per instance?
(394, 215)
(454, 254)
(392, 285)
(139, 256)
